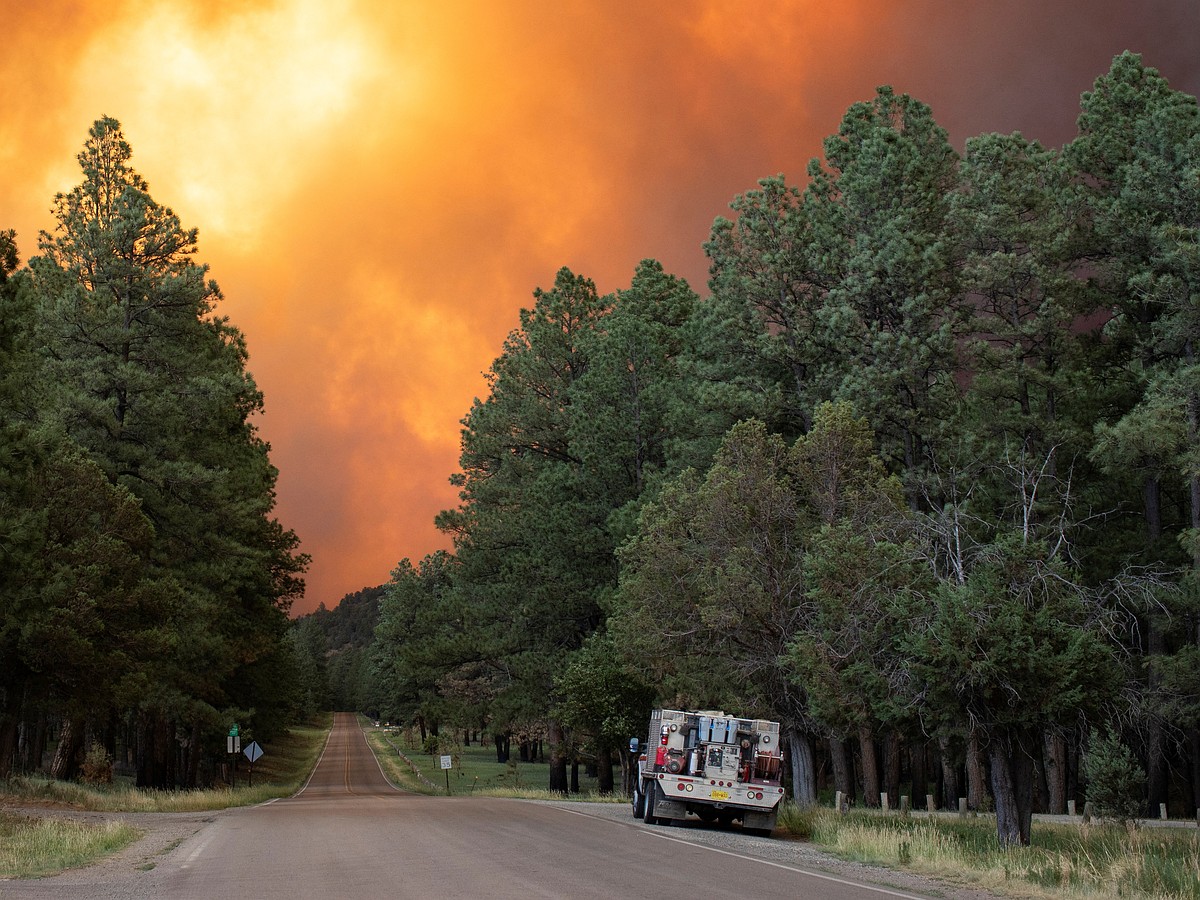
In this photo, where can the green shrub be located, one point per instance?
(1116, 784)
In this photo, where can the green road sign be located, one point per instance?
(233, 732)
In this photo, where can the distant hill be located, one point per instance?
(351, 624)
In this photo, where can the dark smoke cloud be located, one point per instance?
(380, 187)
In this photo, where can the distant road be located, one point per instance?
(350, 833)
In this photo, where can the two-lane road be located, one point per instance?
(350, 833)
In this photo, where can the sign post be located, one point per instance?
(253, 753)
(447, 762)
(233, 746)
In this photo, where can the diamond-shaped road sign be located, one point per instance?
(253, 751)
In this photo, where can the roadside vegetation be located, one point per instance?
(1062, 860)
(280, 772)
(474, 770)
(32, 848)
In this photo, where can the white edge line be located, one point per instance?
(756, 859)
(328, 735)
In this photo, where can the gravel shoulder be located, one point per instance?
(161, 833)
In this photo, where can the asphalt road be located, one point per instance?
(349, 833)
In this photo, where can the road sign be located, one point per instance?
(233, 731)
(233, 744)
(447, 762)
(253, 751)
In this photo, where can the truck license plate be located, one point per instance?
(720, 795)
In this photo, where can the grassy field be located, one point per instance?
(1098, 861)
(474, 770)
(32, 847)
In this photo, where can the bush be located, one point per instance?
(97, 766)
(1116, 784)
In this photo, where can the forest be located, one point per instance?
(919, 479)
(144, 584)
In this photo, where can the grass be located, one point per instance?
(474, 770)
(1062, 861)
(284, 765)
(32, 848)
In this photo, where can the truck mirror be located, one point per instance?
(633, 745)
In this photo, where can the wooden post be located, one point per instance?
(1162, 811)
(929, 805)
(1070, 807)
(962, 807)
(904, 804)
(883, 801)
(1087, 812)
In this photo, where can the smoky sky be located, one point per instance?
(380, 186)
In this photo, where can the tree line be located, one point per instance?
(920, 478)
(144, 583)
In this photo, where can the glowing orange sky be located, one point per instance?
(379, 186)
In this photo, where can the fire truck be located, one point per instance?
(717, 767)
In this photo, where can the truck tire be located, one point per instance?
(639, 800)
(651, 797)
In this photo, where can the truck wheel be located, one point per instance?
(651, 796)
(639, 801)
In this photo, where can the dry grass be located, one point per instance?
(31, 848)
(1062, 861)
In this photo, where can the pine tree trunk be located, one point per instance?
(1054, 759)
(1156, 757)
(558, 759)
(34, 744)
(804, 775)
(976, 788)
(10, 710)
(916, 756)
(8, 746)
(65, 765)
(604, 771)
(1022, 751)
(839, 760)
(870, 766)
(192, 771)
(891, 768)
(1008, 826)
(1194, 741)
(950, 788)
